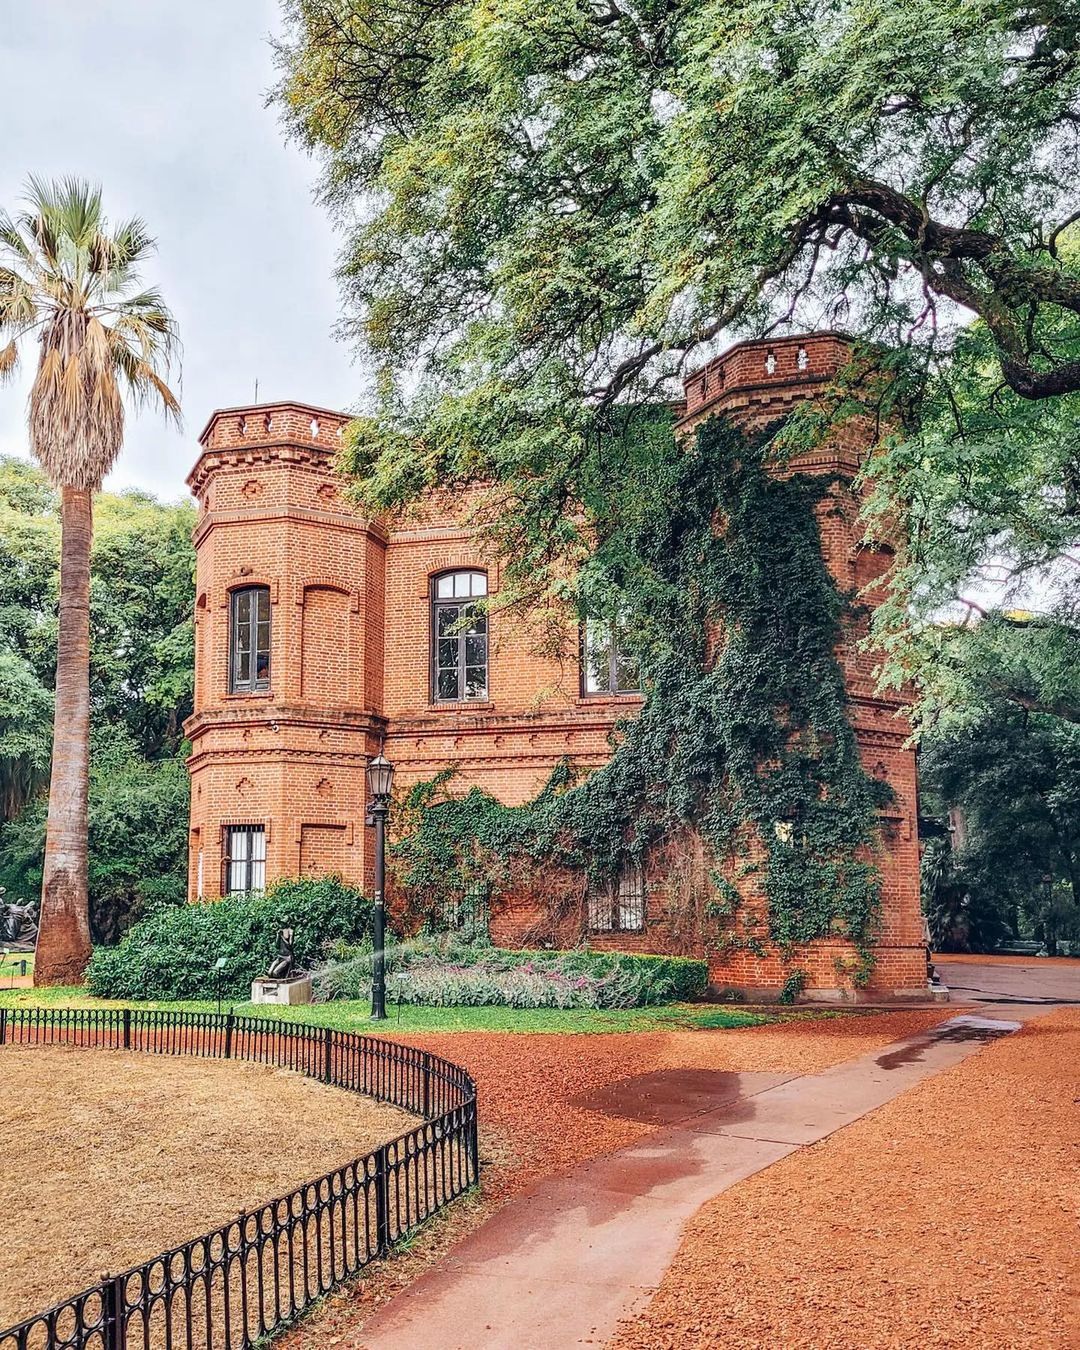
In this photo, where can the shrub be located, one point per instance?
(171, 954)
(442, 973)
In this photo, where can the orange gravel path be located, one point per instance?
(947, 1218)
(535, 1090)
(536, 1118)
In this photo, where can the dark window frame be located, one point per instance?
(436, 605)
(249, 862)
(254, 683)
(621, 905)
(468, 911)
(616, 656)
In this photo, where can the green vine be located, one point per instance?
(714, 564)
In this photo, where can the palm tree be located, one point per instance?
(71, 283)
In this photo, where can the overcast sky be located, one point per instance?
(163, 104)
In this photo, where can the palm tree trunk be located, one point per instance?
(63, 945)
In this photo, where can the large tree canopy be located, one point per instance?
(553, 198)
(552, 209)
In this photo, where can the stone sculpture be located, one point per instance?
(18, 921)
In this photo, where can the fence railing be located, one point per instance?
(238, 1284)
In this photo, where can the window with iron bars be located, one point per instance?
(244, 863)
(618, 907)
(469, 914)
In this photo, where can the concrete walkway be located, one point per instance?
(562, 1264)
(1010, 979)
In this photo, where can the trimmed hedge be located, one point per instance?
(171, 954)
(441, 973)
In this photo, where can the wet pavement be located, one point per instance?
(564, 1263)
(1010, 979)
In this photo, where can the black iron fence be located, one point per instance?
(240, 1283)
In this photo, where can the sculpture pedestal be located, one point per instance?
(295, 990)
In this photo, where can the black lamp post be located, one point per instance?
(380, 777)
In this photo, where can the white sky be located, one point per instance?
(163, 104)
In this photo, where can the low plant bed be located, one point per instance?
(447, 974)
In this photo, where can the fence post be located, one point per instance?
(327, 1054)
(382, 1200)
(230, 1020)
(3, 1025)
(127, 1028)
(474, 1142)
(113, 1329)
(427, 1085)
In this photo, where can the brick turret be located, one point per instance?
(288, 757)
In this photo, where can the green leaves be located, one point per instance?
(729, 745)
(546, 206)
(172, 953)
(1010, 867)
(141, 681)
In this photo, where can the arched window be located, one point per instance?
(249, 640)
(459, 637)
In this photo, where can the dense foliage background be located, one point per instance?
(141, 679)
(1004, 862)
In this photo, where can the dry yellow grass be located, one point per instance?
(107, 1158)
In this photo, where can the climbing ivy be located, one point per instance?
(714, 565)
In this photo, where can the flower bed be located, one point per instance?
(442, 973)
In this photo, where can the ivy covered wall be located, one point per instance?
(740, 781)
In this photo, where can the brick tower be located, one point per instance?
(281, 732)
(755, 383)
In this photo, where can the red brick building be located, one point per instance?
(318, 640)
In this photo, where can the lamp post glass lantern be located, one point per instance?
(380, 777)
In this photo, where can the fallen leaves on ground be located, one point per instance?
(535, 1095)
(947, 1218)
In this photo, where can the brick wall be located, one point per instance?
(351, 667)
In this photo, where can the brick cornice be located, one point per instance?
(316, 716)
(247, 515)
(562, 722)
(256, 452)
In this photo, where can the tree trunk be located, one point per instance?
(63, 945)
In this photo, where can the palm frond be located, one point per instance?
(19, 309)
(9, 360)
(132, 242)
(73, 280)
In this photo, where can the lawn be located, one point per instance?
(355, 1015)
(12, 965)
